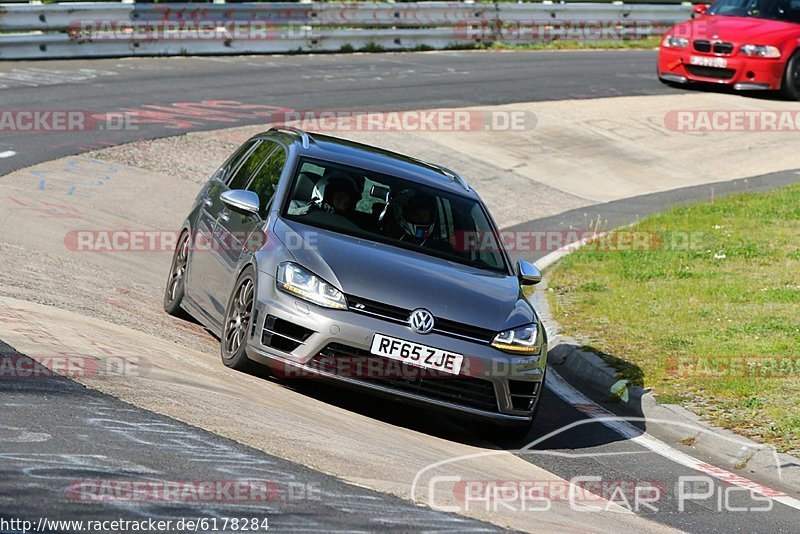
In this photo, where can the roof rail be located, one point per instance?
(304, 137)
(454, 176)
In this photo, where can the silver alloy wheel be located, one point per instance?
(179, 268)
(239, 317)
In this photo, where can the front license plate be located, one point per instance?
(416, 354)
(706, 61)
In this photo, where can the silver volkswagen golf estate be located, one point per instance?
(326, 258)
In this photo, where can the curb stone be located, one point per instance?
(690, 433)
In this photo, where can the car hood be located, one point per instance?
(408, 279)
(742, 30)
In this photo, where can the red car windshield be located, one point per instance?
(783, 10)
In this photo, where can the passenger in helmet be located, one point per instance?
(415, 214)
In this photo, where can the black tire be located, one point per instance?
(790, 87)
(238, 321)
(173, 294)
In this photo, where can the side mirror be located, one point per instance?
(700, 9)
(528, 273)
(241, 200)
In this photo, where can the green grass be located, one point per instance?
(718, 284)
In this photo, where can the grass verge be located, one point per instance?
(701, 304)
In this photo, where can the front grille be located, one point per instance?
(400, 315)
(372, 307)
(523, 393)
(710, 72)
(703, 45)
(723, 48)
(461, 390)
(283, 335)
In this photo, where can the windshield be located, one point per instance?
(393, 211)
(784, 10)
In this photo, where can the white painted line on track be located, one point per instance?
(624, 428)
(7, 154)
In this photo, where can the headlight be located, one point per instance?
(670, 41)
(761, 51)
(521, 340)
(304, 284)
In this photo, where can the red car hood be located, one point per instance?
(742, 30)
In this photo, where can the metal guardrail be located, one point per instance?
(70, 30)
(361, 14)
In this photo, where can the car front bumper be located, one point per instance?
(485, 368)
(741, 73)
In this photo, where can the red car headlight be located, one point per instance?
(761, 51)
(671, 41)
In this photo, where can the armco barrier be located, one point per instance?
(68, 30)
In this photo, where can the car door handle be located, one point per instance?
(224, 216)
(207, 202)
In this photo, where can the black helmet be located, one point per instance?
(415, 212)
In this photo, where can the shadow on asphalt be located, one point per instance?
(554, 414)
(548, 433)
(697, 87)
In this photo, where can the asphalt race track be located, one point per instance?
(380, 82)
(56, 432)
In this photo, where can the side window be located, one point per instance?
(242, 175)
(265, 181)
(224, 172)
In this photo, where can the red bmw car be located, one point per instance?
(747, 44)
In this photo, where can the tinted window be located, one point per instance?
(265, 181)
(224, 172)
(241, 176)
